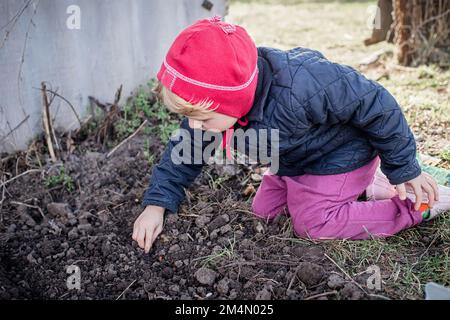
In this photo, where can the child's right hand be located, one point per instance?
(148, 226)
(424, 182)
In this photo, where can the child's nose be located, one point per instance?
(195, 124)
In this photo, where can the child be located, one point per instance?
(335, 128)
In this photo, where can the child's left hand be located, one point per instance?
(425, 182)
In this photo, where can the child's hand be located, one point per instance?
(425, 182)
(148, 226)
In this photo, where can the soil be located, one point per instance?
(213, 249)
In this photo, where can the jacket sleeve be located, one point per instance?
(169, 179)
(380, 116)
(368, 106)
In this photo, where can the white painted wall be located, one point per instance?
(119, 42)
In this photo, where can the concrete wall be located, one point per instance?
(118, 42)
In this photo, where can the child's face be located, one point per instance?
(213, 121)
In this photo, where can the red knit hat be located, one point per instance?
(215, 60)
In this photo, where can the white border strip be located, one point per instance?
(175, 73)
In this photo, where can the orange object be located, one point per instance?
(424, 207)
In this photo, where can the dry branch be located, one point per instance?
(30, 206)
(18, 176)
(422, 32)
(345, 273)
(127, 139)
(56, 94)
(47, 122)
(106, 130)
(15, 128)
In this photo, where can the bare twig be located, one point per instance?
(15, 128)
(424, 253)
(294, 276)
(433, 18)
(65, 100)
(1, 202)
(92, 101)
(126, 289)
(30, 206)
(127, 139)
(421, 32)
(256, 262)
(14, 20)
(117, 96)
(52, 128)
(379, 296)
(112, 116)
(18, 176)
(64, 295)
(22, 60)
(46, 122)
(346, 274)
(329, 293)
(55, 94)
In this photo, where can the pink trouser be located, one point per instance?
(326, 207)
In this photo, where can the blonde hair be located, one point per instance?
(178, 105)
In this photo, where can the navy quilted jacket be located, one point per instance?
(331, 120)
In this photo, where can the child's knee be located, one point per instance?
(313, 233)
(263, 211)
(307, 232)
(310, 226)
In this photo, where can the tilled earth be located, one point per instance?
(213, 249)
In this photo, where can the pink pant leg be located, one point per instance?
(325, 207)
(270, 199)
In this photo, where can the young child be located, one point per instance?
(336, 128)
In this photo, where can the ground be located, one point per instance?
(80, 210)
